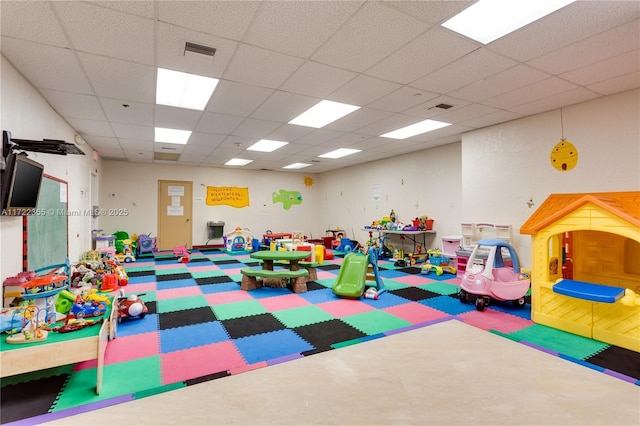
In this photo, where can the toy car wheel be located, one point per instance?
(480, 303)
(463, 296)
(519, 302)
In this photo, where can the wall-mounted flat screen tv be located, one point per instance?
(21, 185)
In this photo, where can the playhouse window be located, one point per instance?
(631, 257)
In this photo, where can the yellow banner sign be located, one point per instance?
(229, 195)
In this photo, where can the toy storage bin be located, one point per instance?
(450, 244)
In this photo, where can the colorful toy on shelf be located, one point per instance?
(32, 326)
(497, 278)
(83, 307)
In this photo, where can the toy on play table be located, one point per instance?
(438, 263)
(497, 278)
(32, 326)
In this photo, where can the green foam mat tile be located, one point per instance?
(442, 288)
(181, 303)
(132, 376)
(304, 315)
(559, 341)
(375, 322)
(238, 309)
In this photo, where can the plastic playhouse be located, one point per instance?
(585, 270)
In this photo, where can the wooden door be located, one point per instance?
(175, 227)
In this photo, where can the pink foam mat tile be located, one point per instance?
(127, 348)
(345, 307)
(415, 312)
(139, 287)
(187, 364)
(194, 267)
(175, 293)
(288, 301)
(415, 280)
(167, 266)
(227, 297)
(138, 263)
(325, 275)
(248, 367)
(233, 271)
(495, 320)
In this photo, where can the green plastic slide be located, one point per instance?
(352, 276)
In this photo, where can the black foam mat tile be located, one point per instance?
(182, 318)
(323, 335)
(255, 324)
(173, 277)
(414, 293)
(618, 359)
(214, 280)
(41, 394)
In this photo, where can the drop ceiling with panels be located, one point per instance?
(95, 63)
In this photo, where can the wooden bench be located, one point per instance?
(297, 278)
(309, 266)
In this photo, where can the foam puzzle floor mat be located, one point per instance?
(201, 326)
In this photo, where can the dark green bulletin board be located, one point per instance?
(46, 232)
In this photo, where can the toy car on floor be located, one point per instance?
(439, 264)
(130, 307)
(498, 278)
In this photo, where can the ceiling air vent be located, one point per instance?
(200, 49)
(444, 106)
(165, 156)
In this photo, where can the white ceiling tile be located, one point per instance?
(254, 128)
(168, 148)
(283, 26)
(464, 113)
(139, 156)
(205, 139)
(502, 82)
(91, 127)
(283, 106)
(197, 150)
(319, 136)
(477, 65)
(617, 41)
(289, 132)
(145, 9)
(491, 119)
(32, 21)
(605, 70)
(130, 131)
(433, 12)
(228, 19)
(249, 65)
(218, 123)
(74, 105)
(326, 79)
(556, 101)
(568, 25)
(107, 32)
(47, 67)
(171, 51)
(106, 76)
(538, 90)
(617, 84)
(120, 111)
(427, 53)
(101, 142)
(428, 109)
(358, 119)
(374, 32)
(176, 118)
(402, 99)
(237, 99)
(136, 145)
(363, 90)
(393, 122)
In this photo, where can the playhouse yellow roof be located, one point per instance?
(625, 205)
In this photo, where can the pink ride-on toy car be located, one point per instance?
(498, 279)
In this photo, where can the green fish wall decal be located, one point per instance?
(287, 198)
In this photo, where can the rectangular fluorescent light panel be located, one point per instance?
(296, 166)
(415, 129)
(338, 153)
(488, 20)
(266, 145)
(237, 162)
(182, 90)
(176, 136)
(323, 113)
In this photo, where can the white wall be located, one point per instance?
(136, 184)
(27, 116)
(421, 183)
(506, 165)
